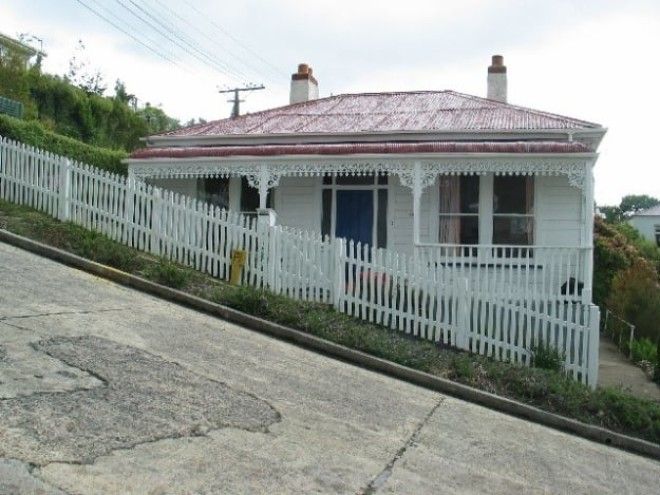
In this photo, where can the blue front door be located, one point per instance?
(355, 215)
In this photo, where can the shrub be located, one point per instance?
(656, 373)
(167, 273)
(547, 357)
(643, 350)
(635, 297)
(101, 249)
(35, 134)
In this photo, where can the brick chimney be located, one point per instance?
(497, 79)
(303, 85)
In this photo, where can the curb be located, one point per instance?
(310, 342)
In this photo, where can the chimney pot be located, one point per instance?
(497, 83)
(304, 86)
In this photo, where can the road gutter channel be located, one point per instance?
(310, 342)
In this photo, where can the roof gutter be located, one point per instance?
(399, 136)
(358, 156)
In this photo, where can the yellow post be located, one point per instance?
(238, 257)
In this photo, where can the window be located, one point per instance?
(459, 209)
(657, 235)
(513, 210)
(216, 192)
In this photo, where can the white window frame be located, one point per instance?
(436, 199)
(486, 214)
(513, 215)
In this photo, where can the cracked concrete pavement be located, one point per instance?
(107, 390)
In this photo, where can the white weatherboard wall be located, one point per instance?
(646, 224)
(298, 203)
(558, 212)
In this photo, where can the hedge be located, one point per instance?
(34, 134)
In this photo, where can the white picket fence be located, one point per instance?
(498, 301)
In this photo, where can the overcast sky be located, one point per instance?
(595, 60)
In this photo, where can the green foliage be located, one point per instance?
(646, 249)
(643, 350)
(617, 248)
(656, 373)
(612, 214)
(547, 357)
(81, 111)
(167, 273)
(635, 297)
(630, 204)
(34, 134)
(637, 202)
(156, 120)
(101, 249)
(82, 76)
(14, 83)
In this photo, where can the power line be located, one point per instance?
(219, 64)
(167, 36)
(256, 70)
(276, 70)
(113, 24)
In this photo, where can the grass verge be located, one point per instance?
(546, 389)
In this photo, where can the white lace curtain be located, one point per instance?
(450, 206)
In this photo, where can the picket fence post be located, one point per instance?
(64, 193)
(156, 216)
(462, 292)
(271, 261)
(266, 221)
(593, 340)
(339, 276)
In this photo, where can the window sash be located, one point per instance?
(490, 222)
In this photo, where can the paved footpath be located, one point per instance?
(107, 390)
(615, 370)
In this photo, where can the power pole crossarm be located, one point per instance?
(235, 112)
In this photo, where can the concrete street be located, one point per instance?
(105, 390)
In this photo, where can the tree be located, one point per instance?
(157, 120)
(634, 203)
(612, 214)
(122, 95)
(192, 121)
(90, 81)
(29, 38)
(630, 204)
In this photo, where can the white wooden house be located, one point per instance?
(435, 173)
(648, 223)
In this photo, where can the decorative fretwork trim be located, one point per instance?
(573, 167)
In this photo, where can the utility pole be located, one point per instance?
(235, 112)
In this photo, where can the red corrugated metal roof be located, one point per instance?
(364, 148)
(424, 111)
